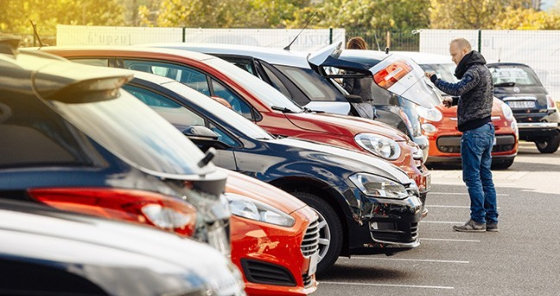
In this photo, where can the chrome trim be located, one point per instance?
(495, 117)
(392, 245)
(519, 99)
(537, 125)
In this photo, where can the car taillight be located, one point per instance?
(388, 76)
(550, 102)
(123, 204)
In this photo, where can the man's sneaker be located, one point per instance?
(470, 226)
(492, 227)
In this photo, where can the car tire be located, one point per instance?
(549, 145)
(331, 234)
(502, 164)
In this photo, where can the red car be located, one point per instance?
(274, 238)
(263, 104)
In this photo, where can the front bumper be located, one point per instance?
(271, 257)
(387, 226)
(447, 148)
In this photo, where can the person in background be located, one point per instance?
(361, 87)
(474, 111)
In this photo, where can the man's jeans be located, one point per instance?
(476, 148)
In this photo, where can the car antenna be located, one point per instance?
(304, 27)
(36, 35)
(376, 40)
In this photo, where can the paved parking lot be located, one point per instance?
(522, 259)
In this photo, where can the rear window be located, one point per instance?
(443, 71)
(519, 75)
(135, 133)
(33, 135)
(315, 86)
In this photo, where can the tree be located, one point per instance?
(527, 19)
(471, 14)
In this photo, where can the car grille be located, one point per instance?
(267, 273)
(453, 144)
(396, 232)
(310, 243)
(307, 280)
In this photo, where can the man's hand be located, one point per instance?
(447, 102)
(429, 74)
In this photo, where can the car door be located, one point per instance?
(182, 117)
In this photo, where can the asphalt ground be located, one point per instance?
(523, 258)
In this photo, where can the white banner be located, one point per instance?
(278, 38)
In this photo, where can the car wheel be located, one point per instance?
(330, 230)
(502, 164)
(549, 145)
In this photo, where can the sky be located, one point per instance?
(547, 4)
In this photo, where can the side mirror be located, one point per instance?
(204, 138)
(354, 98)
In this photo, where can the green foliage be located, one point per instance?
(527, 19)
(48, 13)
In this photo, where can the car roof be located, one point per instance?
(50, 73)
(507, 64)
(270, 55)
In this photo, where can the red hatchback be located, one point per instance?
(262, 104)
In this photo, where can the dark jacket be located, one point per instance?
(475, 89)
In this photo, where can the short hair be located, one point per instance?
(356, 43)
(462, 43)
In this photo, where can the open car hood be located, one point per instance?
(398, 74)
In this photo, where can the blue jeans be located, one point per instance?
(476, 148)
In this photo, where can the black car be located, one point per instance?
(72, 139)
(49, 252)
(298, 77)
(370, 205)
(533, 108)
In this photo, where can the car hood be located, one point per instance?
(347, 159)
(263, 192)
(342, 124)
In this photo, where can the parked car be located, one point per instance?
(262, 104)
(72, 139)
(45, 251)
(274, 238)
(534, 109)
(439, 124)
(368, 205)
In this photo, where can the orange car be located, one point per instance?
(274, 238)
(440, 126)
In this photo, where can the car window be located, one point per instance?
(237, 104)
(315, 86)
(443, 71)
(245, 64)
(173, 112)
(189, 76)
(34, 135)
(517, 75)
(276, 82)
(100, 62)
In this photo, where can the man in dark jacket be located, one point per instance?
(474, 120)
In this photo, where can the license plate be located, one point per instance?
(313, 263)
(521, 104)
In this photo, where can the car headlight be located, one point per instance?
(247, 208)
(431, 114)
(506, 111)
(429, 128)
(377, 186)
(379, 145)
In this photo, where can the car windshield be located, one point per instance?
(132, 131)
(315, 86)
(443, 71)
(225, 114)
(264, 92)
(520, 75)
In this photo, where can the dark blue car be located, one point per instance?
(368, 205)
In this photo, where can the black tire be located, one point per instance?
(502, 164)
(549, 145)
(334, 227)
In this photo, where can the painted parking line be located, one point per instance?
(443, 222)
(451, 240)
(449, 206)
(385, 285)
(461, 193)
(409, 259)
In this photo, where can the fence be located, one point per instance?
(538, 49)
(405, 40)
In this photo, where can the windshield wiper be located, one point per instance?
(282, 109)
(504, 84)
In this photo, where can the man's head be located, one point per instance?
(458, 48)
